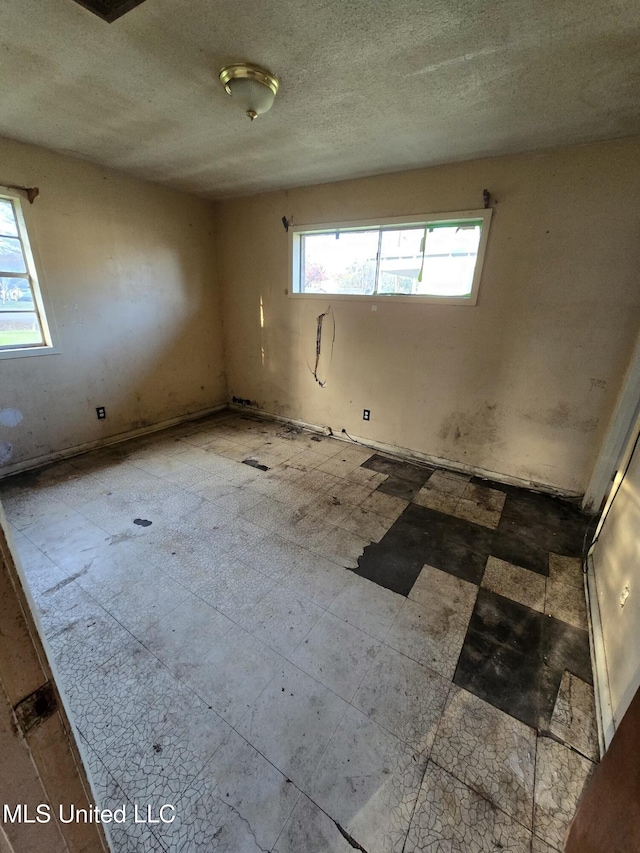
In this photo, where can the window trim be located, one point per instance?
(36, 280)
(295, 232)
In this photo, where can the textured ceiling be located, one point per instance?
(367, 86)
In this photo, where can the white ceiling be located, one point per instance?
(367, 86)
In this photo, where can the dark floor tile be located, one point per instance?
(399, 488)
(520, 544)
(557, 525)
(508, 623)
(409, 471)
(514, 658)
(567, 647)
(421, 537)
(389, 567)
(505, 678)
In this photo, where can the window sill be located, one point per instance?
(29, 351)
(379, 298)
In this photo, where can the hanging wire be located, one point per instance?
(319, 327)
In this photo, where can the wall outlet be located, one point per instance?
(366, 415)
(101, 412)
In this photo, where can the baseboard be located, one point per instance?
(408, 455)
(604, 710)
(76, 450)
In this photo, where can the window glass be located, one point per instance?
(11, 257)
(8, 225)
(20, 322)
(450, 260)
(431, 258)
(400, 260)
(339, 262)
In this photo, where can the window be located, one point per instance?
(23, 326)
(435, 258)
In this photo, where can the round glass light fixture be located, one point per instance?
(252, 87)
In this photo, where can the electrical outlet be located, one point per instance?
(101, 413)
(366, 415)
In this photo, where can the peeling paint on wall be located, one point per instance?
(6, 452)
(10, 417)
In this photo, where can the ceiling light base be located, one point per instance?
(254, 88)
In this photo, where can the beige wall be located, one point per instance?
(130, 270)
(521, 384)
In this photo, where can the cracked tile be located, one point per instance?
(128, 837)
(236, 670)
(85, 644)
(444, 592)
(489, 751)
(206, 824)
(317, 578)
(185, 639)
(336, 544)
(368, 780)
(560, 777)
(540, 846)
(367, 606)
(337, 654)
(227, 494)
(68, 540)
(292, 721)
(403, 697)
(566, 603)
(281, 619)
(169, 759)
(24, 508)
(111, 569)
(567, 570)
(574, 716)
(367, 524)
(451, 818)
(275, 557)
(144, 603)
(310, 829)
(234, 589)
(41, 574)
(257, 792)
(516, 583)
(432, 638)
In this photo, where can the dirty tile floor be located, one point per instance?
(305, 645)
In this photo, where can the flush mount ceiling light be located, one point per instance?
(252, 87)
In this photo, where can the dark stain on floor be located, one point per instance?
(513, 657)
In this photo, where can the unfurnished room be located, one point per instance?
(319, 426)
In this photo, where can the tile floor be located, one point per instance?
(305, 645)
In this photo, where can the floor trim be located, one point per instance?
(76, 450)
(407, 455)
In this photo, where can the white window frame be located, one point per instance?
(296, 231)
(43, 308)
